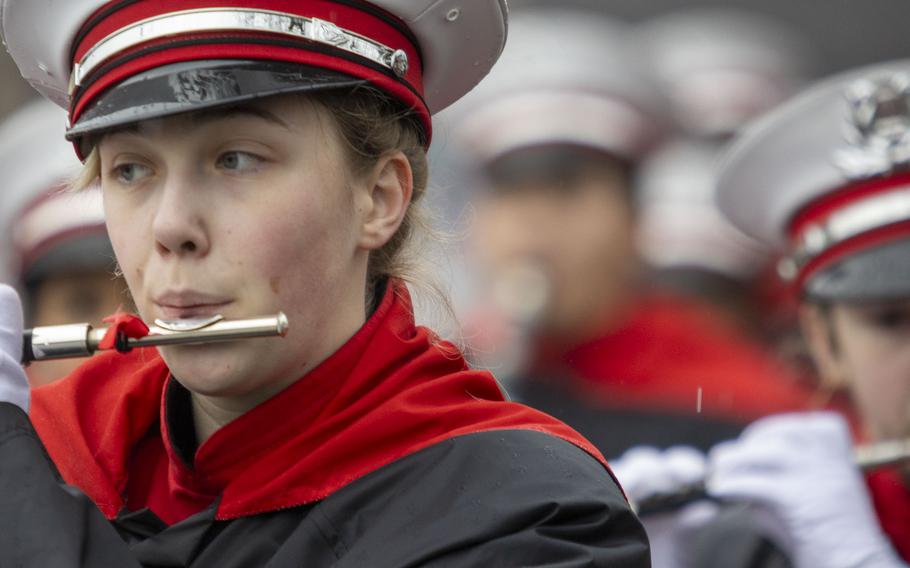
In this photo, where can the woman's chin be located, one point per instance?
(217, 370)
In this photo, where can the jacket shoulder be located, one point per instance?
(494, 498)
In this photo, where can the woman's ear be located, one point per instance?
(386, 197)
(820, 332)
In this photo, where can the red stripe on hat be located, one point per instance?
(250, 51)
(366, 20)
(862, 242)
(820, 210)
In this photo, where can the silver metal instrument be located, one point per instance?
(868, 457)
(82, 339)
(882, 454)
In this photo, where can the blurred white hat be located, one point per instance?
(36, 159)
(566, 76)
(721, 67)
(681, 225)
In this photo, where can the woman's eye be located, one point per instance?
(890, 318)
(131, 173)
(238, 161)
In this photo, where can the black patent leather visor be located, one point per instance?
(197, 85)
(881, 273)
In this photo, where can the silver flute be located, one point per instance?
(82, 339)
(867, 457)
(882, 454)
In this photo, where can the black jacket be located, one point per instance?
(499, 498)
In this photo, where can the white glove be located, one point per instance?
(801, 467)
(646, 472)
(13, 382)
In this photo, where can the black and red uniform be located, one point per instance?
(389, 453)
(673, 372)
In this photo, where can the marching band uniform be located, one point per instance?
(391, 452)
(397, 469)
(674, 372)
(720, 67)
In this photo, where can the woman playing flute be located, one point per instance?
(258, 156)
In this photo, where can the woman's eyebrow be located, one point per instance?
(128, 129)
(234, 111)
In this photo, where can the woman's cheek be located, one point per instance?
(883, 393)
(267, 260)
(897, 394)
(127, 247)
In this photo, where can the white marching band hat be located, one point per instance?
(50, 229)
(567, 76)
(826, 177)
(112, 63)
(721, 67)
(680, 224)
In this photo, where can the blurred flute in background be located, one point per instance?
(868, 457)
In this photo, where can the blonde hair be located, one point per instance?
(90, 173)
(372, 125)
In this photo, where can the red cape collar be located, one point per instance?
(391, 390)
(677, 355)
(892, 503)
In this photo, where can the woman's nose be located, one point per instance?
(179, 226)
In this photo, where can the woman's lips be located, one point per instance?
(184, 305)
(186, 312)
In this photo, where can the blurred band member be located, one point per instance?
(720, 68)
(62, 258)
(555, 236)
(824, 178)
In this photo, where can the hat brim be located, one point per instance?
(200, 85)
(882, 273)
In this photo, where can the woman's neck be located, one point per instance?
(210, 414)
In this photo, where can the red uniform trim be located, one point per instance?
(862, 242)
(819, 211)
(368, 21)
(891, 498)
(391, 390)
(677, 356)
(120, 13)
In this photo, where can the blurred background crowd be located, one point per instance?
(586, 260)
